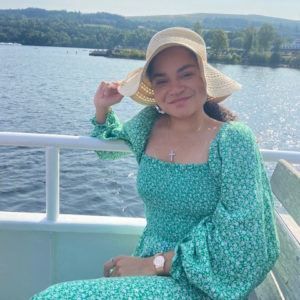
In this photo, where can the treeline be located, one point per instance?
(251, 45)
(69, 32)
(34, 26)
(254, 46)
(102, 18)
(289, 29)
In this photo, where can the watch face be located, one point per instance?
(159, 261)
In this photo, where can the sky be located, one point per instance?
(287, 9)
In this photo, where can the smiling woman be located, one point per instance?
(210, 230)
(178, 82)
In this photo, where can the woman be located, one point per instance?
(210, 230)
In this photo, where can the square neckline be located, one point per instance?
(188, 165)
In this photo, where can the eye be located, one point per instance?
(160, 82)
(186, 75)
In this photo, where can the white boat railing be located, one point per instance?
(53, 143)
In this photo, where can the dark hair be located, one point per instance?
(218, 112)
(212, 109)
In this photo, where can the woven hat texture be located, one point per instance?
(138, 86)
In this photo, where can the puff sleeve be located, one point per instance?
(134, 132)
(112, 129)
(231, 251)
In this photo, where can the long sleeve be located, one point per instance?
(112, 129)
(134, 132)
(231, 251)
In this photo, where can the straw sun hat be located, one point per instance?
(138, 86)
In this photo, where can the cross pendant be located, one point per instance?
(172, 154)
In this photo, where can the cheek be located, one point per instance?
(202, 90)
(202, 87)
(158, 94)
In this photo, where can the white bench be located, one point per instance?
(283, 282)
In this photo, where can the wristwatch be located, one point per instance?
(159, 263)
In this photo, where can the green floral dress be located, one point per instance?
(218, 217)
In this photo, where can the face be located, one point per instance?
(179, 88)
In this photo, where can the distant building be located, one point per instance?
(292, 48)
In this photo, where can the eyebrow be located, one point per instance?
(178, 71)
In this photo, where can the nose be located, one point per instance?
(176, 88)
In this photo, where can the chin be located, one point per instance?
(181, 113)
(186, 110)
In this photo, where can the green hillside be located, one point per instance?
(34, 26)
(286, 28)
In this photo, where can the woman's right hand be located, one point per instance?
(107, 94)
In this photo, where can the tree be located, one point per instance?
(198, 28)
(277, 42)
(249, 39)
(219, 41)
(236, 43)
(258, 59)
(295, 62)
(208, 37)
(266, 34)
(275, 59)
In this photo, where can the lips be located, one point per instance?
(179, 100)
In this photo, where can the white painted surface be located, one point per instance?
(52, 183)
(35, 253)
(60, 141)
(89, 143)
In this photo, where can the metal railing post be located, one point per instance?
(52, 183)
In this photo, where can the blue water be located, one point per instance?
(50, 90)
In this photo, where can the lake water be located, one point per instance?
(51, 89)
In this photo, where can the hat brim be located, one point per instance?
(138, 86)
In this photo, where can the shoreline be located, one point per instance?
(136, 54)
(119, 55)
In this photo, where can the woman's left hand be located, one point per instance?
(129, 266)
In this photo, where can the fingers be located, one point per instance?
(107, 267)
(111, 269)
(111, 84)
(101, 88)
(114, 273)
(108, 88)
(108, 85)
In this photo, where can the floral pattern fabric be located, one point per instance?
(218, 217)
